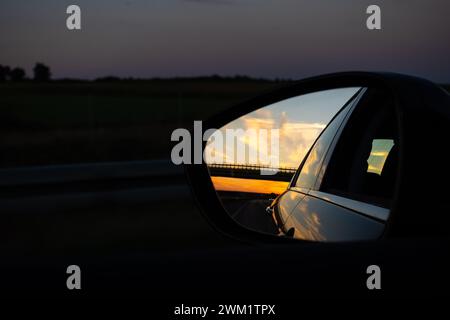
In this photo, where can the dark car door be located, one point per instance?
(345, 184)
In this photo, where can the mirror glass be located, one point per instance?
(253, 158)
(320, 166)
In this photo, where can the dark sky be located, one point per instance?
(262, 38)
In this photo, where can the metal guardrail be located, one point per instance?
(44, 189)
(58, 174)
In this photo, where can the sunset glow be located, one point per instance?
(249, 185)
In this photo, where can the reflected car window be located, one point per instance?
(378, 155)
(364, 164)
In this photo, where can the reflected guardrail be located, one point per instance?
(250, 171)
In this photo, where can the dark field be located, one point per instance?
(71, 122)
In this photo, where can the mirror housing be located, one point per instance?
(423, 110)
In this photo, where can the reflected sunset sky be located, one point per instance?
(300, 120)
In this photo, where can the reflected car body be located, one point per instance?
(307, 217)
(308, 210)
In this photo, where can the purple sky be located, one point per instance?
(261, 38)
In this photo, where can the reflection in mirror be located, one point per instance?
(253, 158)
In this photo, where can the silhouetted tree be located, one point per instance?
(17, 74)
(41, 72)
(4, 72)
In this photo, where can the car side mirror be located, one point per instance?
(337, 153)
